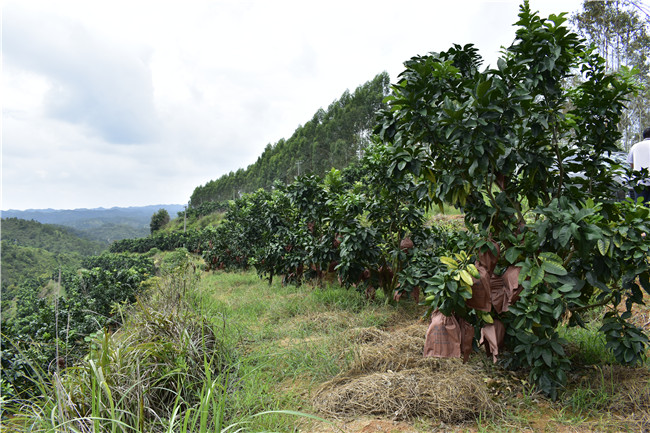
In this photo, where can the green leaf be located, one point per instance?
(644, 279)
(550, 257)
(473, 271)
(553, 268)
(536, 275)
(564, 236)
(603, 246)
(512, 254)
(451, 263)
(485, 316)
(482, 88)
(466, 277)
(557, 348)
(629, 356)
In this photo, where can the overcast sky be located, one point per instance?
(132, 103)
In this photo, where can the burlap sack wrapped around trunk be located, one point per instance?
(449, 336)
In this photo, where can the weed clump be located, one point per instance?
(614, 389)
(156, 367)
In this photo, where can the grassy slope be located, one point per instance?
(176, 224)
(291, 337)
(294, 340)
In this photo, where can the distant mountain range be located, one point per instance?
(99, 224)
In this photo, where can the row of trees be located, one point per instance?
(193, 240)
(525, 149)
(338, 136)
(334, 137)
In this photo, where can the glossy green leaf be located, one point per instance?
(603, 246)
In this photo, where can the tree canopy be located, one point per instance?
(622, 37)
(529, 161)
(158, 220)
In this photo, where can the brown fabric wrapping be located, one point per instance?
(511, 283)
(492, 336)
(449, 337)
(406, 244)
(443, 337)
(416, 294)
(488, 259)
(481, 294)
(481, 298)
(466, 338)
(498, 294)
(505, 290)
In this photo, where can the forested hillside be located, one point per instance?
(334, 137)
(103, 225)
(53, 238)
(34, 250)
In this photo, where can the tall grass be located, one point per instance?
(161, 372)
(180, 364)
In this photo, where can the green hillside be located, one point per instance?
(21, 263)
(100, 224)
(335, 137)
(34, 250)
(52, 238)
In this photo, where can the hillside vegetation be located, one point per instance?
(363, 306)
(236, 351)
(34, 250)
(333, 138)
(49, 237)
(102, 225)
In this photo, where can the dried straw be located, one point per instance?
(390, 377)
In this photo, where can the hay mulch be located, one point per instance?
(390, 378)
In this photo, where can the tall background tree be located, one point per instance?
(619, 29)
(333, 138)
(158, 220)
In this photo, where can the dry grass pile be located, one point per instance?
(391, 378)
(381, 351)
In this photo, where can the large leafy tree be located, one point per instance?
(158, 220)
(528, 160)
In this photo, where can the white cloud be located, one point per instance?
(103, 87)
(132, 103)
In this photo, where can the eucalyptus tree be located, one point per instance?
(619, 29)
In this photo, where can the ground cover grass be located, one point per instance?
(292, 338)
(297, 338)
(279, 355)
